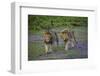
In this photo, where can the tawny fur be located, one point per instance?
(68, 38)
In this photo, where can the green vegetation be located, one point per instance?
(35, 49)
(40, 22)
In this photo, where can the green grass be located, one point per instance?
(34, 50)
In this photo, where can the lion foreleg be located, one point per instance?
(67, 45)
(46, 48)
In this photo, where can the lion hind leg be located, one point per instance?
(72, 43)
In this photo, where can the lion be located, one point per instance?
(49, 38)
(68, 38)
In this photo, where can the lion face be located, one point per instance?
(64, 35)
(47, 37)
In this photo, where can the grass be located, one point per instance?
(36, 48)
(73, 53)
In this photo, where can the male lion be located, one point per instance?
(68, 38)
(49, 38)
